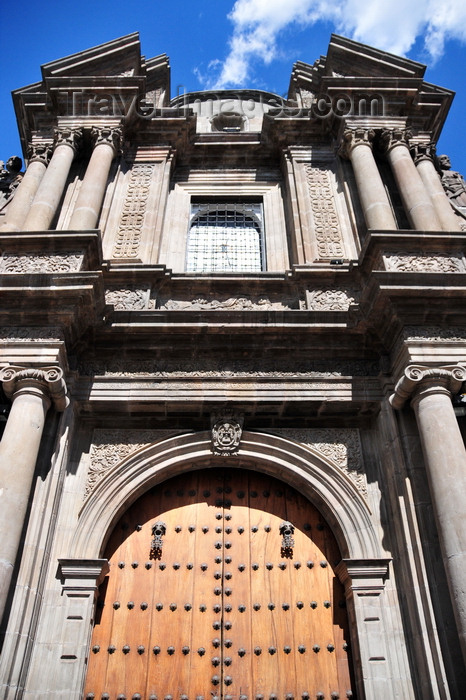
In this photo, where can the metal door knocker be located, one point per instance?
(158, 531)
(287, 531)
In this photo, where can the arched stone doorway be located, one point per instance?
(228, 602)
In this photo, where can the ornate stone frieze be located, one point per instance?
(47, 379)
(69, 137)
(297, 369)
(240, 303)
(416, 262)
(40, 334)
(331, 299)
(41, 152)
(109, 447)
(108, 135)
(20, 264)
(227, 428)
(343, 447)
(434, 334)
(326, 225)
(129, 232)
(127, 299)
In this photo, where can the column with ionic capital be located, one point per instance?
(90, 197)
(423, 156)
(357, 147)
(416, 200)
(38, 158)
(50, 190)
(32, 392)
(430, 390)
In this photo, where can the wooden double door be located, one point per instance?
(227, 603)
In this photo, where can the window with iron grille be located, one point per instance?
(226, 237)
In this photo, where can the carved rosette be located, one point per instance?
(69, 137)
(107, 135)
(352, 138)
(40, 152)
(418, 380)
(48, 380)
(226, 434)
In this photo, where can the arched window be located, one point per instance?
(226, 237)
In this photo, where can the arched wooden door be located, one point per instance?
(225, 608)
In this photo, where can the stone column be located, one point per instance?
(423, 156)
(50, 190)
(430, 391)
(32, 392)
(38, 159)
(364, 583)
(416, 201)
(357, 146)
(91, 194)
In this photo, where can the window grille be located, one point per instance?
(226, 237)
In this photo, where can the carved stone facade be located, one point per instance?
(337, 367)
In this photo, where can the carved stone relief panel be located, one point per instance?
(109, 447)
(343, 447)
(127, 299)
(331, 299)
(225, 303)
(326, 224)
(129, 232)
(38, 334)
(13, 263)
(419, 262)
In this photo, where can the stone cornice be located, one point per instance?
(363, 576)
(48, 380)
(417, 378)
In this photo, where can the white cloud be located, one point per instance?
(391, 25)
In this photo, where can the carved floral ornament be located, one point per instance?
(49, 380)
(417, 378)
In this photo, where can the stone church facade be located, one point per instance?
(232, 350)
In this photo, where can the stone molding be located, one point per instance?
(36, 334)
(88, 571)
(357, 136)
(48, 380)
(108, 135)
(417, 379)
(40, 152)
(363, 576)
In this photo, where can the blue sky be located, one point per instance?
(247, 43)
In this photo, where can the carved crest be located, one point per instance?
(226, 433)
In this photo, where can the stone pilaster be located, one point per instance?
(52, 185)
(423, 155)
(357, 147)
(430, 391)
(364, 582)
(32, 392)
(415, 198)
(86, 211)
(39, 155)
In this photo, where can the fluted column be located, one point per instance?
(430, 391)
(18, 209)
(32, 392)
(423, 156)
(357, 146)
(416, 201)
(91, 194)
(50, 190)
